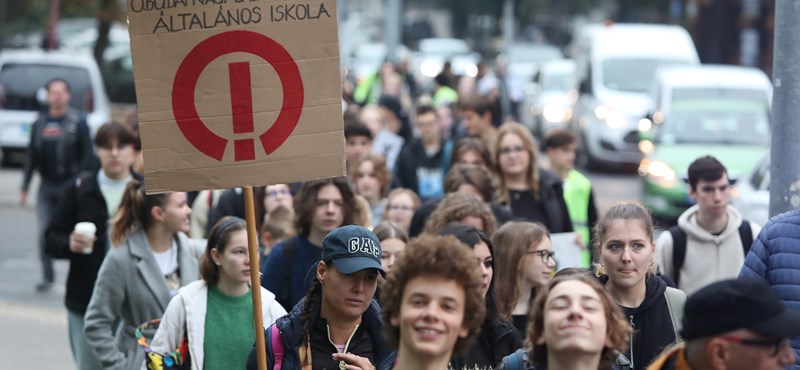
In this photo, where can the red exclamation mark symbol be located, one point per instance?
(242, 109)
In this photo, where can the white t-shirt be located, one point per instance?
(168, 264)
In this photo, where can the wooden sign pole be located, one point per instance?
(255, 276)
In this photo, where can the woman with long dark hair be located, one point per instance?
(497, 337)
(216, 312)
(337, 324)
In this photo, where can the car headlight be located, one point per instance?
(610, 117)
(658, 172)
(430, 68)
(556, 114)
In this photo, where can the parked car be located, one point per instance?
(721, 111)
(751, 194)
(429, 60)
(616, 68)
(525, 59)
(551, 97)
(23, 75)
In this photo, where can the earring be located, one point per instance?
(602, 264)
(651, 262)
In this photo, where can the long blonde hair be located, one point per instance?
(532, 177)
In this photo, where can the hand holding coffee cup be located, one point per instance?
(83, 237)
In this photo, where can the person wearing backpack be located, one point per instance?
(624, 244)
(711, 239)
(337, 324)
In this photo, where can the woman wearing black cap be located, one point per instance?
(337, 324)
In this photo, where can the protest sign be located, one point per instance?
(236, 93)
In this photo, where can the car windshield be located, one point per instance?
(21, 82)
(633, 75)
(558, 81)
(533, 54)
(443, 47)
(718, 116)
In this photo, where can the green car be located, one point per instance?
(707, 110)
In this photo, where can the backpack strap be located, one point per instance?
(515, 361)
(447, 151)
(289, 248)
(277, 346)
(746, 235)
(676, 299)
(678, 252)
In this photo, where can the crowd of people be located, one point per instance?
(434, 251)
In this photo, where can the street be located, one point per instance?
(35, 324)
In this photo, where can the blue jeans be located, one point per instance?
(81, 351)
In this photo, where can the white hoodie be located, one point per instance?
(709, 257)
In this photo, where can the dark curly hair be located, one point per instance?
(443, 256)
(618, 329)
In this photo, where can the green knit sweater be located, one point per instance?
(229, 331)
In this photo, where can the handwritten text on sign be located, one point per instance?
(215, 16)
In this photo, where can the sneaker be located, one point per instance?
(44, 286)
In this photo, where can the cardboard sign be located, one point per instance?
(236, 92)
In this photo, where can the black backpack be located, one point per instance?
(679, 246)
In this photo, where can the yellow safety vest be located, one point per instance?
(577, 189)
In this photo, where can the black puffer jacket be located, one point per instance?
(291, 328)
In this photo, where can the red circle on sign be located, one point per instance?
(185, 83)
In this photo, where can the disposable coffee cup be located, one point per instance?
(87, 229)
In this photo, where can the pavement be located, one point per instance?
(34, 325)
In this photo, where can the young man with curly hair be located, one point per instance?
(431, 303)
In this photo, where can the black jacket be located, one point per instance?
(489, 348)
(82, 202)
(74, 151)
(412, 158)
(291, 328)
(652, 324)
(551, 203)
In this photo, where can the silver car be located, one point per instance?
(23, 75)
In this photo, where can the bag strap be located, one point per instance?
(746, 235)
(288, 253)
(447, 151)
(678, 252)
(515, 361)
(277, 346)
(676, 299)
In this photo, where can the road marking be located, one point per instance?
(36, 314)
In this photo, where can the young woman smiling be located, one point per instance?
(624, 241)
(575, 325)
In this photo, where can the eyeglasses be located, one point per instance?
(276, 193)
(776, 343)
(506, 150)
(544, 255)
(395, 207)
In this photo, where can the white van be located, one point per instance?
(617, 68)
(23, 74)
